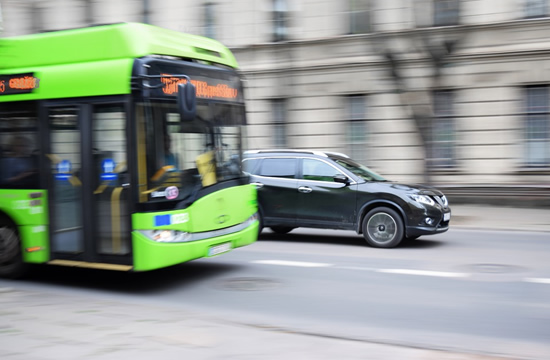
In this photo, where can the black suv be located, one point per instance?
(327, 190)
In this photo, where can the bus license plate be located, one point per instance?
(219, 249)
(447, 216)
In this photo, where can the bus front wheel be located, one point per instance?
(11, 260)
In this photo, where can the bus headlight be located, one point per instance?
(166, 236)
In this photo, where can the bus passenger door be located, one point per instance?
(110, 180)
(89, 182)
(65, 157)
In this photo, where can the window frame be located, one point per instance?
(209, 13)
(357, 124)
(280, 113)
(280, 10)
(535, 9)
(443, 141)
(534, 114)
(446, 12)
(357, 10)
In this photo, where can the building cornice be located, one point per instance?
(287, 67)
(524, 24)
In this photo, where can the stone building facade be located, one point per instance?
(445, 91)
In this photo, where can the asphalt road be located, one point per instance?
(485, 292)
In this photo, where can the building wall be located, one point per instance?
(319, 65)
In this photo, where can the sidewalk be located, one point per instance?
(500, 218)
(47, 326)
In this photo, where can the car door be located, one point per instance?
(323, 202)
(275, 180)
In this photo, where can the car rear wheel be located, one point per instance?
(383, 228)
(281, 229)
(260, 223)
(11, 260)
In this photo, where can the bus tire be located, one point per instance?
(11, 258)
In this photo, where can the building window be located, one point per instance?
(280, 20)
(537, 129)
(536, 8)
(279, 123)
(359, 19)
(37, 17)
(209, 20)
(442, 154)
(357, 136)
(446, 12)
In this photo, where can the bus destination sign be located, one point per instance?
(18, 84)
(204, 89)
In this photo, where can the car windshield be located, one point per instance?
(360, 170)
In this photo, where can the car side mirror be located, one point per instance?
(342, 179)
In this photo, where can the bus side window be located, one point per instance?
(19, 167)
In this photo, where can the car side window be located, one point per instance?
(318, 170)
(279, 167)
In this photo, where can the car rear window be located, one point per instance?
(250, 165)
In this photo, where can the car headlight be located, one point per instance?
(423, 199)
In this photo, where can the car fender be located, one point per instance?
(366, 207)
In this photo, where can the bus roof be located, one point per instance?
(97, 60)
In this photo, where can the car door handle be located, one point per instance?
(258, 185)
(305, 189)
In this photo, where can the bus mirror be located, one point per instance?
(187, 101)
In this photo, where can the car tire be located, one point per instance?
(281, 229)
(383, 228)
(11, 259)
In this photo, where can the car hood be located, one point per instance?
(396, 187)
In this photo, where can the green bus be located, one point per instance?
(120, 148)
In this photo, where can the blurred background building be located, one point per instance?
(448, 92)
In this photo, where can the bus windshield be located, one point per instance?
(184, 157)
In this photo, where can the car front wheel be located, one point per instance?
(383, 228)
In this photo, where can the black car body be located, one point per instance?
(327, 190)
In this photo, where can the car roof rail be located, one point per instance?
(313, 152)
(337, 154)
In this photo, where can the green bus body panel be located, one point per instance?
(35, 237)
(150, 255)
(31, 217)
(203, 215)
(97, 60)
(108, 77)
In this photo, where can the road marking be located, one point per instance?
(423, 273)
(291, 263)
(538, 280)
(360, 268)
(444, 274)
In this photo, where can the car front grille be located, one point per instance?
(441, 200)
